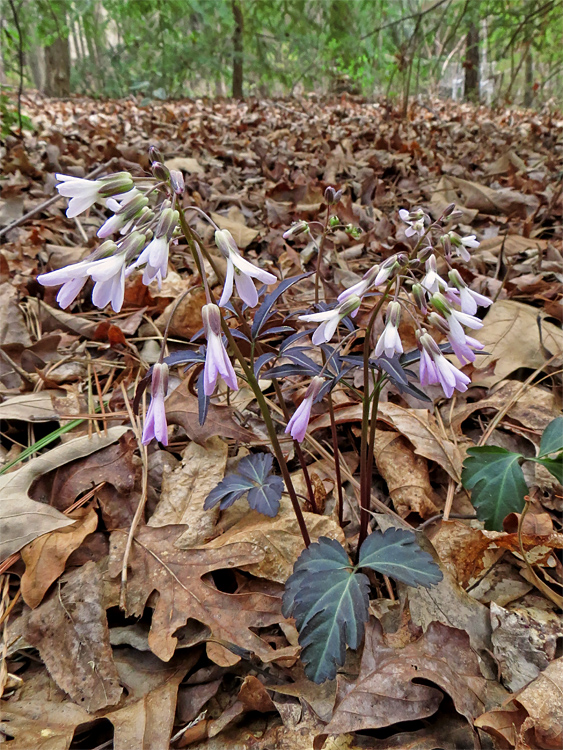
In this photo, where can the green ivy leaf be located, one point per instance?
(329, 601)
(497, 482)
(396, 553)
(552, 438)
(553, 465)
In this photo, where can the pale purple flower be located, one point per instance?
(329, 319)
(155, 254)
(460, 244)
(455, 321)
(217, 361)
(432, 282)
(297, 425)
(435, 368)
(414, 220)
(109, 275)
(390, 341)
(125, 214)
(240, 271)
(84, 193)
(71, 277)
(466, 297)
(155, 421)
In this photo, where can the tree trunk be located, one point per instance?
(237, 49)
(471, 63)
(529, 84)
(57, 68)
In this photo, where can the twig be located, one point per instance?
(50, 201)
(142, 500)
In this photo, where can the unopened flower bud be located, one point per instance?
(133, 244)
(332, 196)
(155, 155)
(177, 181)
(334, 221)
(448, 210)
(440, 303)
(437, 321)
(456, 215)
(296, 229)
(353, 231)
(134, 207)
(160, 171)
(115, 184)
(349, 305)
(402, 259)
(447, 245)
(424, 253)
(419, 298)
(168, 223)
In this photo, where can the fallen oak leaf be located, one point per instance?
(156, 564)
(71, 632)
(385, 692)
(46, 556)
(182, 409)
(24, 519)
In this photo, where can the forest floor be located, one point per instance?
(93, 661)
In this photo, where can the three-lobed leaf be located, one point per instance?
(253, 476)
(328, 596)
(497, 482)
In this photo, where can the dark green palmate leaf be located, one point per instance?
(497, 482)
(396, 553)
(328, 596)
(552, 438)
(330, 604)
(253, 475)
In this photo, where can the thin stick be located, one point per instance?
(141, 504)
(50, 201)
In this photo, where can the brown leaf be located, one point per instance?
(70, 631)
(524, 642)
(254, 696)
(385, 694)
(405, 474)
(47, 721)
(242, 234)
(534, 718)
(510, 335)
(182, 409)
(25, 519)
(278, 538)
(156, 564)
(185, 488)
(45, 558)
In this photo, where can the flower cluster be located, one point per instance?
(420, 286)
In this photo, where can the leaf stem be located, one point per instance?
(253, 383)
(365, 463)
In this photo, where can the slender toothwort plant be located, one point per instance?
(327, 594)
